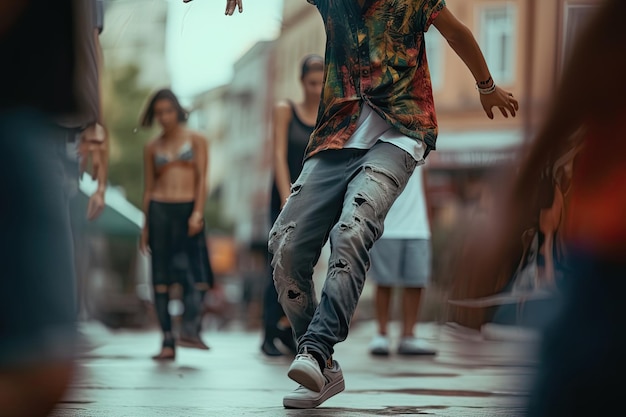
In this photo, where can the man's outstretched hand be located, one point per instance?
(231, 5)
(501, 99)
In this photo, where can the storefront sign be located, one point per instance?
(469, 158)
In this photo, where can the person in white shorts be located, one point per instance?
(402, 259)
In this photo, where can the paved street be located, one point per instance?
(470, 377)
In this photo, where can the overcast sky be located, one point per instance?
(203, 43)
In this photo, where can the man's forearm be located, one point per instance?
(465, 46)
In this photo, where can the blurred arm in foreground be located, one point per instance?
(579, 99)
(93, 146)
(582, 351)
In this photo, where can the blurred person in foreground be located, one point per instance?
(46, 49)
(84, 133)
(293, 125)
(175, 176)
(401, 259)
(376, 123)
(582, 355)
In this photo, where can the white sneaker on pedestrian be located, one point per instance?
(303, 397)
(305, 370)
(379, 346)
(413, 346)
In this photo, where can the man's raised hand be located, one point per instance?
(231, 5)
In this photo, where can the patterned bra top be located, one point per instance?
(185, 154)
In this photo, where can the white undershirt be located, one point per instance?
(371, 127)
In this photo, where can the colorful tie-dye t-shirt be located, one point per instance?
(375, 53)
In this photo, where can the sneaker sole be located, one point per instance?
(332, 390)
(300, 374)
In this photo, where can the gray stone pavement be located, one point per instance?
(471, 376)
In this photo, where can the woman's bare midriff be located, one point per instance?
(175, 183)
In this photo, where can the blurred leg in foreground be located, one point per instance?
(37, 306)
(582, 353)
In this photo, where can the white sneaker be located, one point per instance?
(413, 346)
(306, 398)
(305, 370)
(379, 346)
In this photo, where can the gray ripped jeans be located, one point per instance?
(343, 195)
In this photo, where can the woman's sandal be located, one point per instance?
(192, 342)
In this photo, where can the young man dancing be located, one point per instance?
(376, 124)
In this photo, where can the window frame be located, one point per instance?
(509, 75)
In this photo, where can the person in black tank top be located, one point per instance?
(298, 134)
(293, 125)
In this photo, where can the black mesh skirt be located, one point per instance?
(176, 256)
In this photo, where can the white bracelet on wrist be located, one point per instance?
(488, 90)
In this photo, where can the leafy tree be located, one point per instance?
(123, 103)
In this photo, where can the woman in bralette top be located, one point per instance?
(175, 171)
(293, 125)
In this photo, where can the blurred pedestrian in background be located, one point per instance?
(84, 133)
(175, 175)
(49, 52)
(293, 125)
(402, 258)
(582, 355)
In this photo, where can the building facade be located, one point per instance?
(134, 34)
(208, 115)
(302, 34)
(246, 180)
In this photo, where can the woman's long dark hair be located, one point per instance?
(165, 94)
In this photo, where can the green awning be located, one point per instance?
(120, 217)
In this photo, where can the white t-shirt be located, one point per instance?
(407, 218)
(371, 127)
